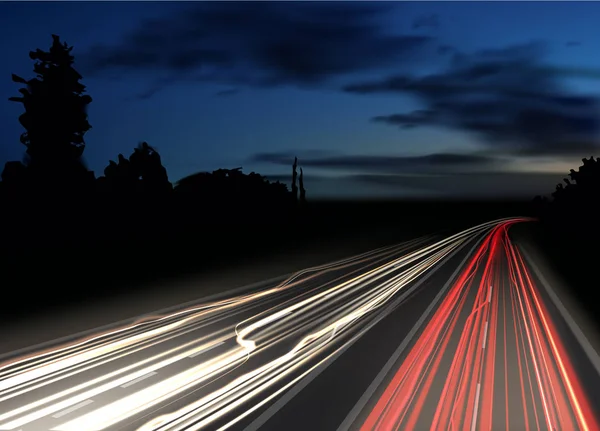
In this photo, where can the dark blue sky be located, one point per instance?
(416, 98)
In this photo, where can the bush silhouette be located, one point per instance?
(231, 187)
(143, 173)
(569, 234)
(147, 166)
(575, 206)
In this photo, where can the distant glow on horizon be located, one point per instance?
(544, 165)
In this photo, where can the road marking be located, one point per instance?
(485, 334)
(394, 358)
(575, 329)
(72, 409)
(139, 379)
(490, 295)
(474, 421)
(206, 350)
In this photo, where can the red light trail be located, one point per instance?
(490, 358)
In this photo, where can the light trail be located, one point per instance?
(461, 375)
(313, 322)
(170, 360)
(15, 372)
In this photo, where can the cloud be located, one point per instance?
(442, 162)
(410, 120)
(426, 21)
(572, 43)
(225, 93)
(287, 157)
(507, 96)
(260, 44)
(154, 88)
(446, 49)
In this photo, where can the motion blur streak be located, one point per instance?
(17, 371)
(289, 330)
(490, 358)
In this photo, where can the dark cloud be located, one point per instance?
(443, 162)
(446, 49)
(148, 93)
(154, 88)
(413, 119)
(287, 157)
(572, 43)
(507, 96)
(431, 21)
(259, 43)
(230, 92)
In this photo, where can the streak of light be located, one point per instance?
(458, 351)
(315, 323)
(33, 366)
(218, 403)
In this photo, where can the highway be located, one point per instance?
(435, 333)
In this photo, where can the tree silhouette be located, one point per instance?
(574, 209)
(294, 178)
(58, 217)
(119, 178)
(302, 189)
(55, 117)
(146, 165)
(569, 233)
(582, 188)
(231, 188)
(143, 172)
(13, 173)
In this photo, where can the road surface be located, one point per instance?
(436, 333)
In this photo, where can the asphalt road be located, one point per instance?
(437, 333)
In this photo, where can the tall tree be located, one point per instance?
(55, 117)
(302, 189)
(294, 179)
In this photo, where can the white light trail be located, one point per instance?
(315, 323)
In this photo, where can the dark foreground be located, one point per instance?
(54, 260)
(572, 248)
(396, 338)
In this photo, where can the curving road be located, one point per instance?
(436, 333)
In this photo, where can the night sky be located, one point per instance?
(376, 99)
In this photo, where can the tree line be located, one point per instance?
(54, 176)
(568, 231)
(574, 206)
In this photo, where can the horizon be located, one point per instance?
(402, 100)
